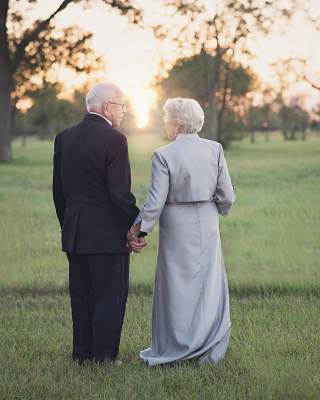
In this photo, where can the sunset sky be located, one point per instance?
(133, 55)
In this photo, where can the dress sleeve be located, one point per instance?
(157, 196)
(224, 195)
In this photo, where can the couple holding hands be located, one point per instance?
(100, 224)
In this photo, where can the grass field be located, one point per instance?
(271, 248)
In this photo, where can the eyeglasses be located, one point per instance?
(123, 106)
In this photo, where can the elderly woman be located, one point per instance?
(190, 187)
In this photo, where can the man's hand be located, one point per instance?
(133, 233)
(138, 244)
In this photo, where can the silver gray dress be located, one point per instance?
(190, 187)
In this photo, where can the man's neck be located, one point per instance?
(102, 116)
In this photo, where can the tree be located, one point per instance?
(186, 79)
(223, 30)
(255, 119)
(49, 114)
(263, 118)
(293, 120)
(33, 51)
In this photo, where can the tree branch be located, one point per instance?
(33, 34)
(123, 6)
(311, 83)
(5, 61)
(224, 97)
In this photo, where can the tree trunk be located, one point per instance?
(13, 120)
(252, 136)
(24, 136)
(212, 125)
(293, 134)
(285, 134)
(5, 86)
(5, 125)
(220, 137)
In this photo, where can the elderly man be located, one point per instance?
(95, 208)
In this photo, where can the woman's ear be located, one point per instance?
(178, 128)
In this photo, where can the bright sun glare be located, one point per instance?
(141, 104)
(130, 67)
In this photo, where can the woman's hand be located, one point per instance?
(136, 243)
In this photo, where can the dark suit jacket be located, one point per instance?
(91, 187)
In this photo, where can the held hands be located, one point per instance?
(136, 244)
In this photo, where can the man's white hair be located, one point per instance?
(187, 112)
(99, 94)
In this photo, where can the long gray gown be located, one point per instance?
(190, 187)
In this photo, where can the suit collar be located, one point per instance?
(97, 117)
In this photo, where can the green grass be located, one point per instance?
(271, 248)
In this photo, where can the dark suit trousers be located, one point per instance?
(98, 285)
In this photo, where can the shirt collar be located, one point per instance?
(102, 116)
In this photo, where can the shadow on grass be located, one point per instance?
(146, 290)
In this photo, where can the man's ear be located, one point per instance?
(105, 108)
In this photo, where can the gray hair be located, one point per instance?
(187, 112)
(101, 93)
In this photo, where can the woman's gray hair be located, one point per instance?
(187, 112)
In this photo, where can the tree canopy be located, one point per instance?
(31, 52)
(221, 29)
(189, 77)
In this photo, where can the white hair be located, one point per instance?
(187, 112)
(101, 93)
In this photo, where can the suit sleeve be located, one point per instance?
(158, 192)
(58, 197)
(119, 183)
(224, 196)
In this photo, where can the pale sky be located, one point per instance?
(133, 55)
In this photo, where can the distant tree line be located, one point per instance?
(238, 116)
(50, 114)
